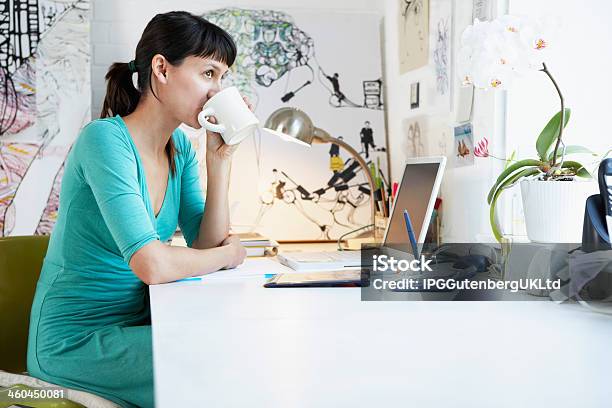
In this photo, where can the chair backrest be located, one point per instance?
(20, 264)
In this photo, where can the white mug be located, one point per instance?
(235, 121)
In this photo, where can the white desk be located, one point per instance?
(233, 343)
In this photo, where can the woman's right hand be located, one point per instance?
(235, 250)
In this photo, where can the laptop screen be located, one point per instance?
(414, 194)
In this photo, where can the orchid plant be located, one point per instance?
(493, 55)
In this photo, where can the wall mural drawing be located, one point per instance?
(329, 66)
(44, 101)
(272, 46)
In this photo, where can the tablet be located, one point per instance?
(345, 278)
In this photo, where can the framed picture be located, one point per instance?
(463, 153)
(414, 95)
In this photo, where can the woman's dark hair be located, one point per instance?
(175, 35)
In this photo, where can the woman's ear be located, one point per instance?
(159, 67)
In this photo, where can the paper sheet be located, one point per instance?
(250, 268)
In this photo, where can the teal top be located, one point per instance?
(90, 322)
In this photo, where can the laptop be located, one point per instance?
(416, 193)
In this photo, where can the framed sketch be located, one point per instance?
(463, 152)
(413, 34)
(414, 132)
(414, 95)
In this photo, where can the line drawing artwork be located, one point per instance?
(271, 47)
(280, 63)
(413, 34)
(440, 38)
(49, 216)
(413, 145)
(14, 161)
(481, 10)
(44, 100)
(441, 56)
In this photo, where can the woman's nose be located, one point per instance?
(211, 93)
(215, 89)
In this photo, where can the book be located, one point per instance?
(254, 243)
(258, 245)
(254, 239)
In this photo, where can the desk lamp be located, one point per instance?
(293, 125)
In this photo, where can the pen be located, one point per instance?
(385, 204)
(373, 174)
(385, 182)
(410, 231)
(193, 278)
(199, 278)
(377, 169)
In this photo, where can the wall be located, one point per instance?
(117, 25)
(463, 189)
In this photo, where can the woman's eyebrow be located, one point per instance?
(215, 66)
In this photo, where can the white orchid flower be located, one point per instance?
(493, 54)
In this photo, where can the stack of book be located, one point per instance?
(258, 245)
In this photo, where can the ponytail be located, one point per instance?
(122, 97)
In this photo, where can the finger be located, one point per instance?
(249, 104)
(213, 139)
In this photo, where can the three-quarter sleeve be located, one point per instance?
(192, 198)
(108, 165)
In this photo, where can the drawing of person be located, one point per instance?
(367, 138)
(335, 81)
(336, 163)
(278, 185)
(334, 150)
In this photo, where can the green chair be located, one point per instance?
(20, 264)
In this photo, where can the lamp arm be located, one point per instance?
(322, 136)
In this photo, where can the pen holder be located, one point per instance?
(380, 225)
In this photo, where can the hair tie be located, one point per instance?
(132, 66)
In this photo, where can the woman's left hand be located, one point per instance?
(216, 149)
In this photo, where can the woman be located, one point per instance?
(130, 178)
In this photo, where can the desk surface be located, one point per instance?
(233, 343)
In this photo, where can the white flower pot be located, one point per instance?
(554, 210)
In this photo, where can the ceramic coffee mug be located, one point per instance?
(234, 119)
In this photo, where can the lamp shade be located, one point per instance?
(291, 125)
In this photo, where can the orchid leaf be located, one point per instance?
(578, 168)
(507, 183)
(571, 149)
(550, 133)
(508, 171)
